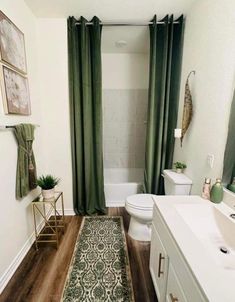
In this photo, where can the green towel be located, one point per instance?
(26, 167)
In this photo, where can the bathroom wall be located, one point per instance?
(209, 48)
(54, 95)
(125, 82)
(16, 217)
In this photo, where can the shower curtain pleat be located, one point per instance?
(164, 79)
(84, 51)
(229, 153)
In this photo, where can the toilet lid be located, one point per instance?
(140, 201)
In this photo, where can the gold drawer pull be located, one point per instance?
(160, 264)
(173, 299)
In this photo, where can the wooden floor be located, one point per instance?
(41, 275)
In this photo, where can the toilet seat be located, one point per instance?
(142, 202)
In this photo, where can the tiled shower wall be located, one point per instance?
(124, 127)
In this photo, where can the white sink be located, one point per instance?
(214, 229)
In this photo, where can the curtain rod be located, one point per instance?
(125, 23)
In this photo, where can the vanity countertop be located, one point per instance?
(200, 228)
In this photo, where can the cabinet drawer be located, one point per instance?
(174, 292)
(158, 265)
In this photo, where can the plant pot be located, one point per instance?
(179, 170)
(48, 194)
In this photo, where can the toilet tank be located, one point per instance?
(176, 183)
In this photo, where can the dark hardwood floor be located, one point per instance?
(41, 275)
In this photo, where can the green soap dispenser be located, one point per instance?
(217, 192)
(231, 187)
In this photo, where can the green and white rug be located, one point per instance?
(100, 270)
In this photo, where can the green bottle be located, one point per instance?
(231, 187)
(217, 192)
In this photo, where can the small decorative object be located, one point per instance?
(15, 92)
(12, 46)
(188, 108)
(179, 167)
(47, 184)
(231, 186)
(206, 189)
(217, 192)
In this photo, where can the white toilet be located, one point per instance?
(140, 206)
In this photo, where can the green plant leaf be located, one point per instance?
(47, 182)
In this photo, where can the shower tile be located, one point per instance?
(127, 105)
(140, 129)
(126, 144)
(124, 130)
(142, 105)
(127, 160)
(127, 129)
(112, 108)
(140, 144)
(111, 160)
(111, 145)
(139, 160)
(111, 129)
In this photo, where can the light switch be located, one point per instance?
(210, 160)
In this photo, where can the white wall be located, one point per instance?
(54, 96)
(125, 71)
(209, 48)
(16, 218)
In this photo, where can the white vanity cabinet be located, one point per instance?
(173, 280)
(158, 265)
(174, 291)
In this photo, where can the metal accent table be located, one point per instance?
(53, 220)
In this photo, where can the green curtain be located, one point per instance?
(26, 166)
(229, 154)
(85, 87)
(164, 79)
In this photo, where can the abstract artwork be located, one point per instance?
(15, 92)
(12, 46)
(13, 69)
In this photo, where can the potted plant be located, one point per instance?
(179, 167)
(47, 184)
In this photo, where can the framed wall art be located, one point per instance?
(12, 45)
(15, 92)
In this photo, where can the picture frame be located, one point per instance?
(15, 92)
(12, 44)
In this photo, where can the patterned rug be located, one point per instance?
(100, 270)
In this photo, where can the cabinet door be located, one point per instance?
(158, 265)
(174, 292)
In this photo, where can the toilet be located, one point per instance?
(140, 206)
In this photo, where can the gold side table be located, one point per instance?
(53, 220)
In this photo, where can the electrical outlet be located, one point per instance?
(210, 160)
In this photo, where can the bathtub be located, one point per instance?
(121, 183)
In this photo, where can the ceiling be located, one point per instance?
(107, 10)
(137, 37)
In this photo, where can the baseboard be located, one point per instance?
(5, 278)
(18, 259)
(115, 203)
(67, 212)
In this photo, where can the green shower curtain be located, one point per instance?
(229, 154)
(84, 52)
(164, 80)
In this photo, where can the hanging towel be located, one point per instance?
(26, 167)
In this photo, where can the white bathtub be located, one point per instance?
(121, 183)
